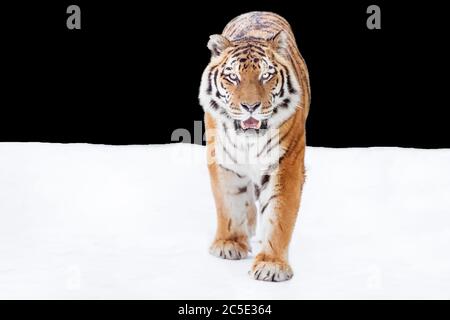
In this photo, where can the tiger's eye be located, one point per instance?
(233, 76)
(266, 75)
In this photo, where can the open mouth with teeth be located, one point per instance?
(250, 123)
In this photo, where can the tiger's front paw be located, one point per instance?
(229, 249)
(270, 270)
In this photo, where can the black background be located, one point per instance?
(131, 74)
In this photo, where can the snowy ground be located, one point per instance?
(84, 221)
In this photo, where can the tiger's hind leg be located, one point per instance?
(251, 211)
(234, 213)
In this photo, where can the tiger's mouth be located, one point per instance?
(250, 123)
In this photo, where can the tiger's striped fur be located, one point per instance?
(256, 95)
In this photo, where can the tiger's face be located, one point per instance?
(249, 84)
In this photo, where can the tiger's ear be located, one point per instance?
(217, 43)
(279, 43)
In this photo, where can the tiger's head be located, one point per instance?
(250, 84)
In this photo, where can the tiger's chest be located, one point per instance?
(252, 156)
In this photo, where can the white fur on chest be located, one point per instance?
(248, 155)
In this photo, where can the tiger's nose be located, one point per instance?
(250, 107)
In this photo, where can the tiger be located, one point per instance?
(255, 93)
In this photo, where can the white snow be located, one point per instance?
(135, 222)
